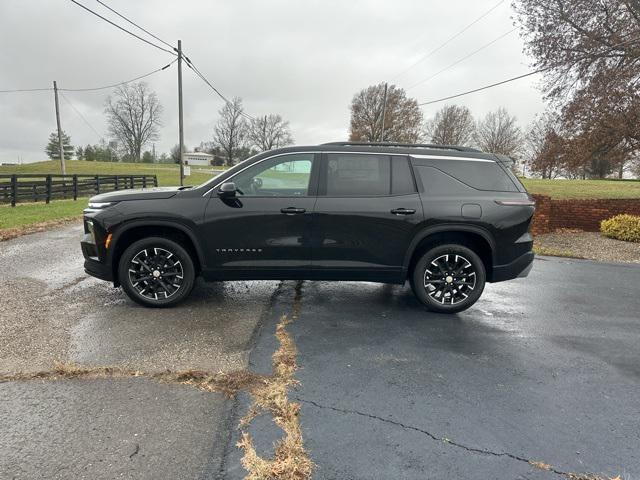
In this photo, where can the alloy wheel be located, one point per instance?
(156, 273)
(449, 279)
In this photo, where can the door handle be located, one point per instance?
(292, 210)
(403, 211)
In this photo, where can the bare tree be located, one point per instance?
(133, 117)
(231, 130)
(577, 41)
(402, 116)
(269, 132)
(498, 132)
(452, 125)
(545, 146)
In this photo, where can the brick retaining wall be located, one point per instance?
(586, 215)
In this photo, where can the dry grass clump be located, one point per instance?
(290, 460)
(570, 476)
(228, 383)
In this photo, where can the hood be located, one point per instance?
(136, 194)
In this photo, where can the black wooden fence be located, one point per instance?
(34, 187)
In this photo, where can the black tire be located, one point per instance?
(156, 272)
(453, 283)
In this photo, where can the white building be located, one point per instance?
(197, 158)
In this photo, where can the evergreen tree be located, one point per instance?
(53, 150)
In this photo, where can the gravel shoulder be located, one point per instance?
(587, 245)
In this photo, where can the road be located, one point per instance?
(543, 369)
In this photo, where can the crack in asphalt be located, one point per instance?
(482, 451)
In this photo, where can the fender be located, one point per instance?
(128, 225)
(446, 227)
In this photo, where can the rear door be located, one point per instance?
(365, 215)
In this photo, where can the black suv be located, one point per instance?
(448, 219)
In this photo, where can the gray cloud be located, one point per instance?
(302, 59)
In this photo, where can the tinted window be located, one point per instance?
(352, 174)
(401, 179)
(480, 175)
(284, 176)
(436, 183)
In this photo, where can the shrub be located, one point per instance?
(623, 227)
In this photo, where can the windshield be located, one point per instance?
(235, 168)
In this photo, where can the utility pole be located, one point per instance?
(384, 110)
(55, 91)
(180, 126)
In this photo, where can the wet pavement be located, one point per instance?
(51, 311)
(543, 369)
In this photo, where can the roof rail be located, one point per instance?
(405, 145)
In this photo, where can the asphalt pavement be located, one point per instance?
(53, 312)
(543, 369)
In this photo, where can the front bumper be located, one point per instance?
(520, 267)
(92, 264)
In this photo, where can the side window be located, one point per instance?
(283, 176)
(358, 175)
(401, 178)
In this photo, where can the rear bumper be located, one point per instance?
(520, 267)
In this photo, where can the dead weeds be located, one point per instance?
(227, 383)
(290, 460)
(568, 475)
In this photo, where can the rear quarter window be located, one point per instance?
(481, 175)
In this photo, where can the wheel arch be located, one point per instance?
(130, 232)
(476, 238)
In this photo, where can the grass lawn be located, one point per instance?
(26, 214)
(168, 174)
(29, 213)
(583, 188)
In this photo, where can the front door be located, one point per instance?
(366, 214)
(265, 229)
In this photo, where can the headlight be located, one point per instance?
(100, 204)
(90, 230)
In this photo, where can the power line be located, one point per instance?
(135, 24)
(123, 29)
(187, 60)
(27, 90)
(512, 79)
(486, 45)
(449, 40)
(204, 79)
(120, 83)
(482, 88)
(80, 115)
(90, 89)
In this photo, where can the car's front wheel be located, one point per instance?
(448, 278)
(156, 272)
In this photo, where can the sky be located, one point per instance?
(301, 59)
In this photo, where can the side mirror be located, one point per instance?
(227, 190)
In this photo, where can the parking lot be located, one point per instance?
(540, 379)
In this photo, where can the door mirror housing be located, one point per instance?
(227, 190)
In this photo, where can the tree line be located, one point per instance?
(134, 118)
(497, 131)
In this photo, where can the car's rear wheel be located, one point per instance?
(448, 278)
(156, 272)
